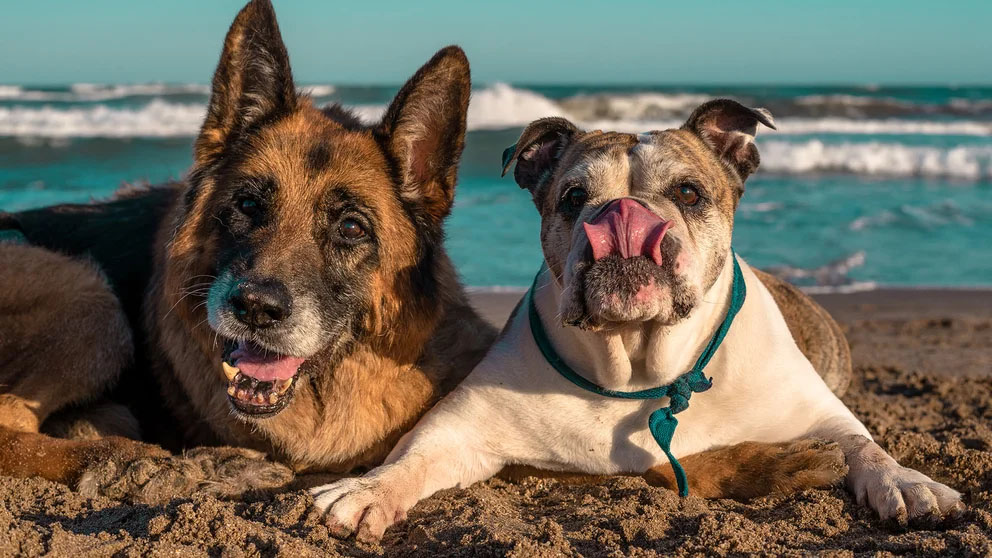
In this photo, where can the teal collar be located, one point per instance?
(662, 422)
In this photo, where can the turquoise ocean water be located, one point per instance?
(861, 186)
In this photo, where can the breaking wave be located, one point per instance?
(502, 106)
(155, 119)
(926, 217)
(92, 92)
(496, 107)
(831, 277)
(973, 162)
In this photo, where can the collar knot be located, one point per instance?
(684, 386)
(662, 422)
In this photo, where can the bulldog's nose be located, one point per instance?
(627, 228)
(260, 304)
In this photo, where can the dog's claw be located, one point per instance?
(363, 507)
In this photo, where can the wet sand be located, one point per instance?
(922, 384)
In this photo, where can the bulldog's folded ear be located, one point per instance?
(253, 80)
(537, 151)
(424, 129)
(729, 127)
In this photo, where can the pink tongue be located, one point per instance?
(264, 366)
(627, 228)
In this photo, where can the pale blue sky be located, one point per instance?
(531, 41)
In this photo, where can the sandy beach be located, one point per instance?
(922, 384)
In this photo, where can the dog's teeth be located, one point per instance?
(231, 390)
(282, 386)
(273, 397)
(230, 371)
(243, 394)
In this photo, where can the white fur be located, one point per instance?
(515, 409)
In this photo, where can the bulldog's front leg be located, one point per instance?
(894, 491)
(445, 450)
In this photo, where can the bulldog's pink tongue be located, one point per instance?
(264, 366)
(627, 228)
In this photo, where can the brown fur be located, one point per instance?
(714, 149)
(417, 335)
(65, 317)
(751, 469)
(714, 153)
(740, 472)
(415, 339)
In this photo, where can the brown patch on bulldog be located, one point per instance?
(753, 469)
(740, 472)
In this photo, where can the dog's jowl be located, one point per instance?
(641, 289)
(292, 296)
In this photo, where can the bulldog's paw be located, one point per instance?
(219, 471)
(896, 492)
(362, 506)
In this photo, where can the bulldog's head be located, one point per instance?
(637, 228)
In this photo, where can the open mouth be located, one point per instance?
(261, 382)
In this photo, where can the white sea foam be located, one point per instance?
(318, 90)
(877, 159)
(156, 119)
(636, 106)
(93, 92)
(829, 125)
(102, 92)
(831, 276)
(761, 207)
(849, 100)
(915, 216)
(503, 106)
(11, 91)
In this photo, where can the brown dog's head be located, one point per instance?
(312, 229)
(636, 228)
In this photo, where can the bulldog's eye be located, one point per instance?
(574, 199)
(248, 206)
(351, 229)
(687, 195)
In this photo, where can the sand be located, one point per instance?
(923, 385)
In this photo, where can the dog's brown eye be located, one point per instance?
(352, 229)
(248, 206)
(575, 198)
(687, 195)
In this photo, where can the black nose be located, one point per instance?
(260, 304)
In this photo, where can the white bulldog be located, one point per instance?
(640, 280)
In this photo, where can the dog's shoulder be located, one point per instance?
(815, 332)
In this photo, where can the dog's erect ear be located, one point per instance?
(537, 151)
(253, 80)
(424, 129)
(729, 127)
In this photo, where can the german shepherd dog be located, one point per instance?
(292, 296)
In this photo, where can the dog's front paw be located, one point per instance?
(219, 471)
(897, 492)
(363, 506)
